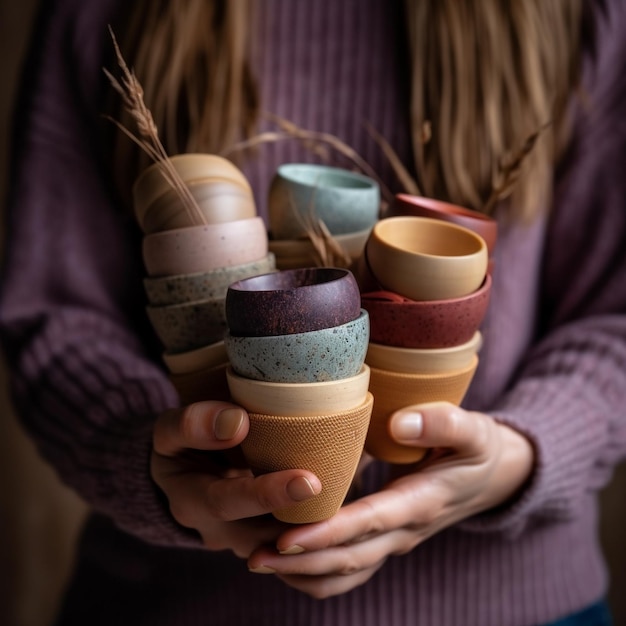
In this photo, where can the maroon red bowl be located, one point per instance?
(399, 321)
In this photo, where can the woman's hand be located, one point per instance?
(476, 464)
(206, 493)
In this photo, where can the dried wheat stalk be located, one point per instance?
(131, 92)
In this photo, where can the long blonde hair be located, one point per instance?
(486, 74)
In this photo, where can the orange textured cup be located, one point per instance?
(393, 391)
(328, 445)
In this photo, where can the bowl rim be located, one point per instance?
(283, 171)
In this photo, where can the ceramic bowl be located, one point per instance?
(330, 445)
(188, 326)
(311, 357)
(202, 285)
(345, 201)
(206, 384)
(405, 204)
(151, 184)
(426, 259)
(219, 200)
(423, 360)
(393, 391)
(292, 301)
(289, 399)
(399, 321)
(205, 357)
(204, 248)
(295, 253)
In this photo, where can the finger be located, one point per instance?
(197, 497)
(200, 426)
(440, 425)
(324, 587)
(413, 505)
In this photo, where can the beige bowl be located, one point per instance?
(166, 290)
(393, 391)
(151, 183)
(299, 398)
(424, 360)
(203, 358)
(295, 253)
(188, 326)
(219, 200)
(204, 248)
(426, 259)
(329, 445)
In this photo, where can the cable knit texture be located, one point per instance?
(87, 379)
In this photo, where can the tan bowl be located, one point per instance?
(219, 200)
(204, 248)
(203, 358)
(393, 391)
(329, 445)
(423, 360)
(426, 259)
(165, 290)
(295, 253)
(285, 399)
(207, 384)
(151, 184)
(188, 326)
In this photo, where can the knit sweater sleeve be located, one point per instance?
(71, 314)
(569, 395)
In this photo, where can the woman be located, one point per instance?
(498, 529)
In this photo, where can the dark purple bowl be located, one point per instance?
(292, 301)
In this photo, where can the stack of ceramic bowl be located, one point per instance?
(431, 295)
(191, 257)
(296, 342)
(347, 202)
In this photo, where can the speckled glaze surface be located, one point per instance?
(346, 201)
(316, 356)
(188, 326)
(203, 285)
(398, 321)
(483, 225)
(292, 301)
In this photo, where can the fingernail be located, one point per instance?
(262, 569)
(406, 426)
(227, 423)
(295, 549)
(300, 489)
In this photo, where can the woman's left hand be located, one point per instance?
(477, 464)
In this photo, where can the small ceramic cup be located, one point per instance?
(203, 358)
(426, 259)
(304, 399)
(393, 391)
(188, 326)
(345, 201)
(201, 385)
(204, 248)
(405, 204)
(219, 200)
(328, 444)
(292, 301)
(151, 184)
(311, 357)
(165, 290)
(405, 323)
(423, 360)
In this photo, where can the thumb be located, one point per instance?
(438, 425)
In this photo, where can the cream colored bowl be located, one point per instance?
(426, 259)
(299, 398)
(423, 360)
(204, 248)
(204, 358)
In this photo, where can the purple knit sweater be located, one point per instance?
(87, 379)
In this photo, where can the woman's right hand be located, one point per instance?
(221, 502)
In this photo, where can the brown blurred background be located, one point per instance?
(40, 518)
